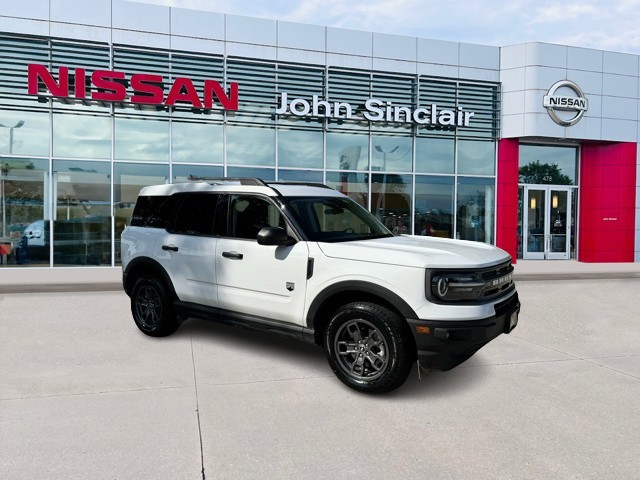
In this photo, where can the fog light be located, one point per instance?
(513, 320)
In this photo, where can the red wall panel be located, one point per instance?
(607, 202)
(507, 196)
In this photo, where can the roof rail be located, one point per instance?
(223, 180)
(294, 182)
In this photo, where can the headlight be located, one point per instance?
(450, 287)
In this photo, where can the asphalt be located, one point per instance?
(84, 394)
(33, 280)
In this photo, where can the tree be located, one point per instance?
(543, 173)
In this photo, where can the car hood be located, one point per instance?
(418, 251)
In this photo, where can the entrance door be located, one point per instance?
(547, 223)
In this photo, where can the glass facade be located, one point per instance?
(71, 168)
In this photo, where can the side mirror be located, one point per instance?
(274, 236)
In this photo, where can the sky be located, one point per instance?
(601, 24)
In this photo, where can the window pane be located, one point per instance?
(24, 221)
(82, 220)
(300, 148)
(434, 206)
(476, 158)
(353, 185)
(154, 211)
(24, 133)
(475, 209)
(300, 175)
(181, 173)
(347, 151)
(250, 214)
(196, 214)
(129, 178)
(196, 142)
(391, 201)
(434, 155)
(250, 146)
(391, 154)
(85, 136)
(262, 173)
(142, 139)
(548, 165)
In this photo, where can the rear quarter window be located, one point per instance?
(153, 211)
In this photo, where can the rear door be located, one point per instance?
(266, 281)
(188, 249)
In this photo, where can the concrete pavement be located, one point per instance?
(83, 394)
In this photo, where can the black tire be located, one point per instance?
(152, 307)
(368, 347)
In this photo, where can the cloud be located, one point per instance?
(587, 23)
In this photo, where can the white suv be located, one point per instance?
(306, 261)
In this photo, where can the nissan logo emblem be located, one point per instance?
(554, 104)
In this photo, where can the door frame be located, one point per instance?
(546, 253)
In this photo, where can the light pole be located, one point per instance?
(4, 172)
(384, 155)
(383, 192)
(17, 125)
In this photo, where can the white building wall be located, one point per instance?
(608, 79)
(123, 21)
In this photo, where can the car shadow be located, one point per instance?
(430, 384)
(261, 343)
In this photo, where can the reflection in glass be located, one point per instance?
(82, 215)
(476, 158)
(129, 178)
(391, 154)
(181, 173)
(353, 185)
(300, 148)
(536, 221)
(391, 201)
(475, 209)
(196, 142)
(434, 206)
(346, 151)
(250, 146)
(542, 164)
(24, 133)
(248, 172)
(142, 139)
(85, 136)
(24, 220)
(300, 175)
(434, 155)
(558, 220)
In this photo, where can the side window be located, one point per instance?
(248, 215)
(153, 211)
(196, 214)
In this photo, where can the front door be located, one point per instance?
(547, 223)
(261, 280)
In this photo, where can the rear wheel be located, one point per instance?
(152, 307)
(368, 347)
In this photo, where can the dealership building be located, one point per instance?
(531, 147)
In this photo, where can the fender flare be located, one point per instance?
(359, 286)
(145, 263)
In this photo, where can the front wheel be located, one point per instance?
(152, 308)
(368, 347)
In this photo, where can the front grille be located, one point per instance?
(497, 280)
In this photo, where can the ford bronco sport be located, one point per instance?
(306, 261)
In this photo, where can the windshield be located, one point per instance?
(335, 219)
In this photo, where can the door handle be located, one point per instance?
(173, 248)
(233, 255)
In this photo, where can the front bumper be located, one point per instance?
(441, 345)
